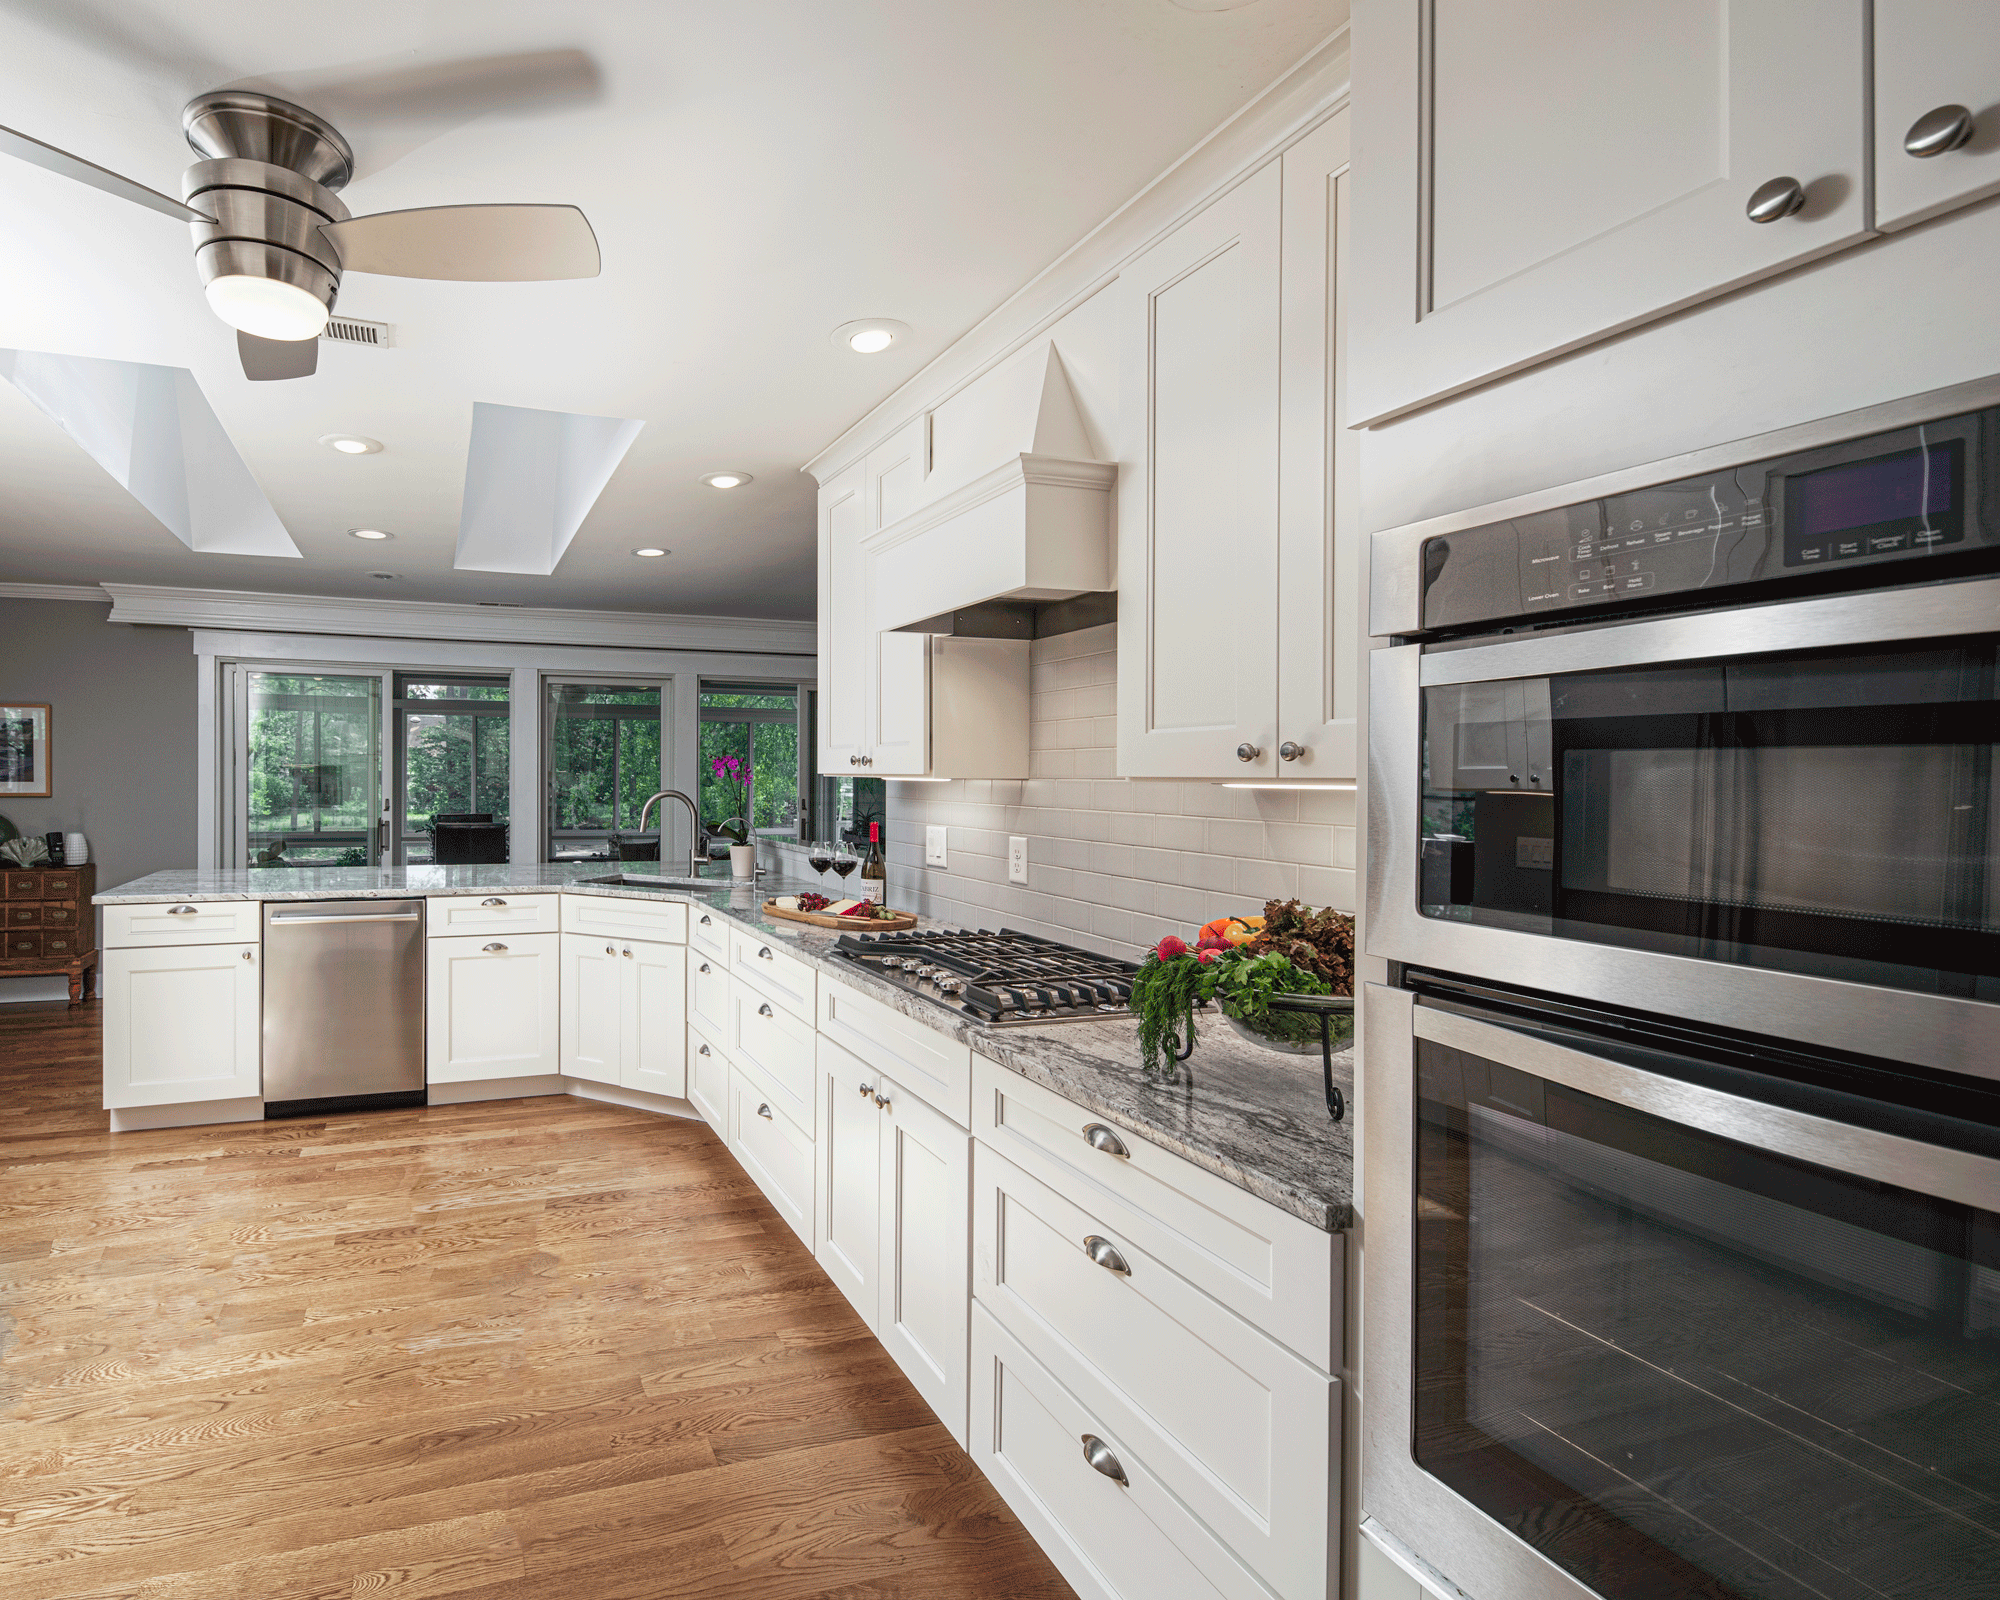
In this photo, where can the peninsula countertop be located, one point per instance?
(1253, 1117)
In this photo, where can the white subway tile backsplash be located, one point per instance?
(1115, 863)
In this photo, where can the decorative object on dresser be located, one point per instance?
(24, 750)
(50, 926)
(23, 852)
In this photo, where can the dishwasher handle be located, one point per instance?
(373, 916)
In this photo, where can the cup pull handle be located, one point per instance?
(765, 953)
(1104, 1459)
(493, 902)
(1105, 1254)
(1102, 1138)
(764, 1011)
(181, 911)
(497, 949)
(765, 1112)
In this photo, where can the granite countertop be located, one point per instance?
(1255, 1118)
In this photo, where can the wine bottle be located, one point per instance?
(873, 868)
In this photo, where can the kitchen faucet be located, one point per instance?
(694, 823)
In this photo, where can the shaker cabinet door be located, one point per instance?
(848, 1240)
(1198, 503)
(182, 1023)
(1932, 56)
(846, 651)
(490, 1007)
(926, 1251)
(654, 1035)
(591, 1013)
(1536, 175)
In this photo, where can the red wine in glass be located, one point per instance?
(819, 861)
(845, 864)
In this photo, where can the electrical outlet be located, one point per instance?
(934, 853)
(1017, 859)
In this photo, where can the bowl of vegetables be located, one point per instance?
(1271, 977)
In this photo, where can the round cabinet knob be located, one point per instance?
(1103, 1459)
(854, 761)
(1776, 200)
(1105, 1254)
(1937, 132)
(1247, 751)
(1290, 751)
(611, 950)
(882, 1101)
(866, 1090)
(249, 955)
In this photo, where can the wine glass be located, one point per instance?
(845, 860)
(819, 857)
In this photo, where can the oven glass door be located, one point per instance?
(1830, 813)
(1688, 1366)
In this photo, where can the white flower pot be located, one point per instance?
(743, 861)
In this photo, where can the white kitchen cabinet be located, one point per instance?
(1537, 175)
(848, 1232)
(773, 1149)
(1238, 643)
(894, 1223)
(491, 1007)
(904, 704)
(708, 1077)
(182, 1023)
(1198, 504)
(624, 1012)
(1931, 55)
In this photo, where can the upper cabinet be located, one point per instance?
(1937, 107)
(1237, 606)
(1539, 174)
(904, 705)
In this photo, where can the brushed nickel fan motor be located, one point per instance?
(267, 179)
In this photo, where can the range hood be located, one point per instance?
(990, 556)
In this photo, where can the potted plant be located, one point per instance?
(735, 773)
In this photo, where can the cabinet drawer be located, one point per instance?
(21, 885)
(25, 914)
(925, 1061)
(708, 993)
(1277, 1270)
(779, 1045)
(185, 922)
(708, 932)
(60, 944)
(447, 914)
(663, 921)
(1112, 1541)
(60, 916)
(708, 1077)
(59, 885)
(781, 975)
(774, 1150)
(1239, 1428)
(23, 944)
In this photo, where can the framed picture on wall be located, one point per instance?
(24, 750)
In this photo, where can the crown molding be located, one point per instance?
(53, 591)
(1309, 91)
(417, 619)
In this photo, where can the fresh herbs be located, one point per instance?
(1296, 951)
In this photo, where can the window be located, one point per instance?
(757, 726)
(453, 757)
(312, 767)
(604, 762)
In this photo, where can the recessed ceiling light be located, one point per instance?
(652, 550)
(725, 480)
(870, 336)
(369, 533)
(351, 444)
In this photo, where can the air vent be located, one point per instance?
(351, 330)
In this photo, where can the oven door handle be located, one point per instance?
(1913, 1164)
(1878, 617)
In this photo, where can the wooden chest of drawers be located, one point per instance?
(49, 925)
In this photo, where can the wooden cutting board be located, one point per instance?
(819, 919)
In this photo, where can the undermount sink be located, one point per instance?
(641, 880)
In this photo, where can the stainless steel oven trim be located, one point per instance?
(1971, 606)
(1395, 601)
(1485, 1559)
(1894, 1024)
(1930, 1169)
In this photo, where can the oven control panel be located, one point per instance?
(1913, 494)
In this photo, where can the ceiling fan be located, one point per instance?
(272, 238)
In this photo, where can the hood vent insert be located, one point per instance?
(352, 330)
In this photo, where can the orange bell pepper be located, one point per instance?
(1237, 930)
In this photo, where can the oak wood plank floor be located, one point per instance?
(522, 1348)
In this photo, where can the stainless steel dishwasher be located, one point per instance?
(343, 1005)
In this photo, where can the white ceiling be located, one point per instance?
(757, 171)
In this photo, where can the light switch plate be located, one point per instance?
(934, 852)
(1017, 859)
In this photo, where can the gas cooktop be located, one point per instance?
(1003, 979)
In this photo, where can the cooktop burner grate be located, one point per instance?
(998, 978)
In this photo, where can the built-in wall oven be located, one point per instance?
(1681, 1108)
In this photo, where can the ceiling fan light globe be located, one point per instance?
(266, 308)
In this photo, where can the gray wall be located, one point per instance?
(1113, 863)
(123, 737)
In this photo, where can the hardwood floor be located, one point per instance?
(540, 1348)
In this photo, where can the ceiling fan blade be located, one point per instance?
(265, 360)
(49, 158)
(473, 244)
